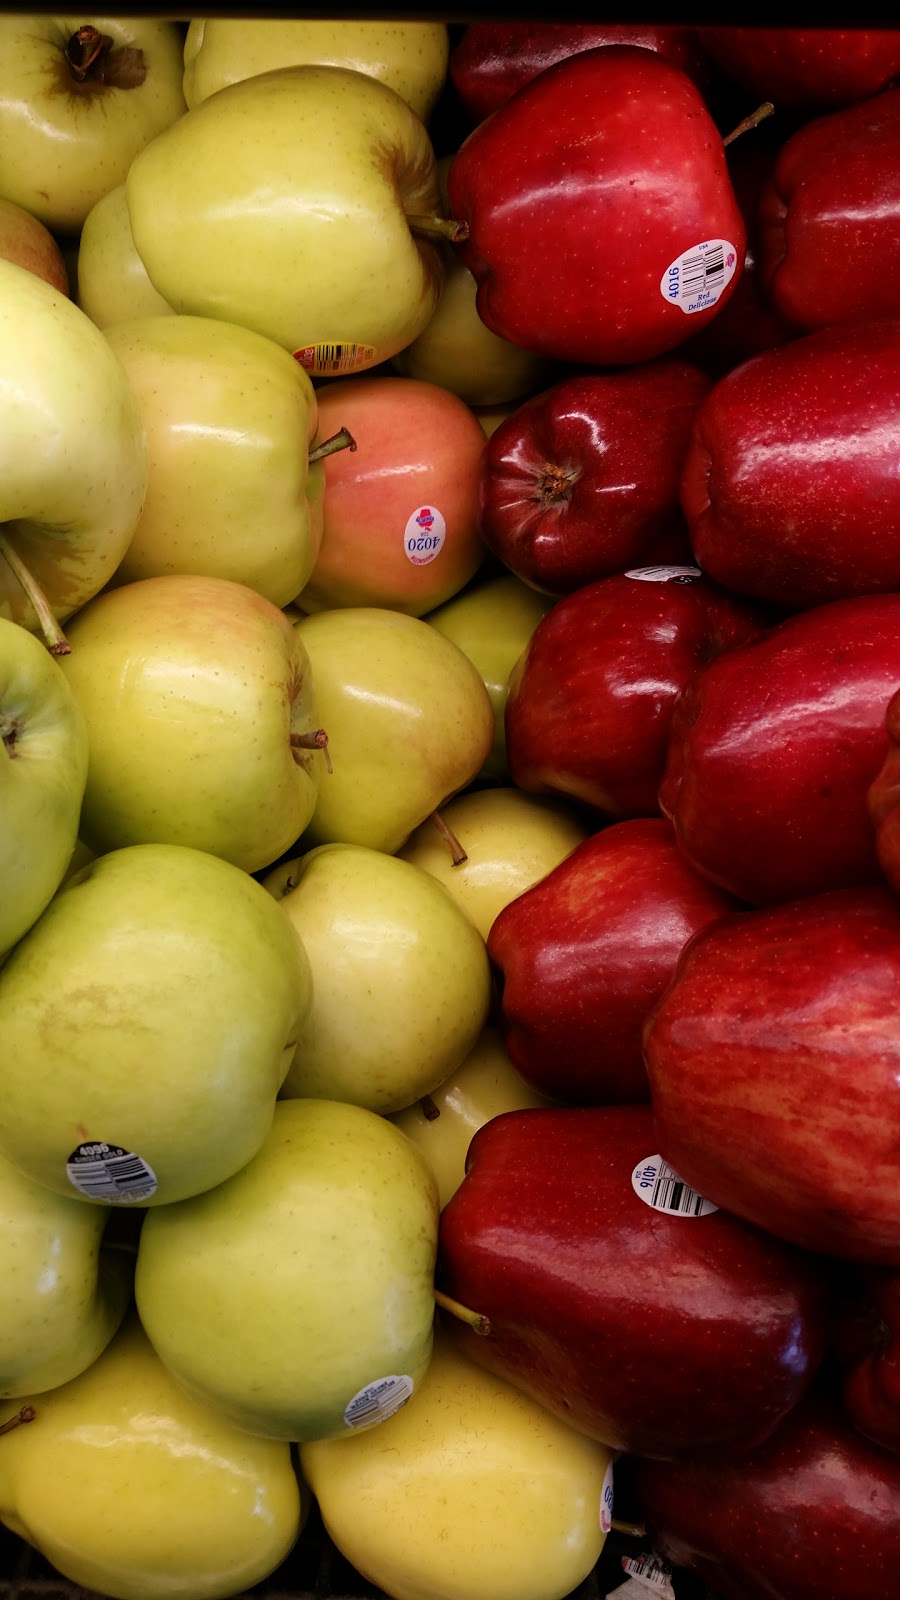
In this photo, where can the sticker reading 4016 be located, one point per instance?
(659, 1186)
(698, 277)
(106, 1172)
(424, 535)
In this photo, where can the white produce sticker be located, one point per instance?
(108, 1173)
(606, 1500)
(378, 1401)
(649, 1572)
(699, 276)
(629, 1590)
(424, 535)
(665, 574)
(659, 1186)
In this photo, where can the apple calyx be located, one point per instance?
(54, 638)
(9, 733)
(27, 1414)
(95, 61)
(753, 121)
(446, 230)
(342, 440)
(317, 740)
(429, 1109)
(475, 1319)
(553, 484)
(449, 837)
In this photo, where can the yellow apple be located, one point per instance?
(112, 282)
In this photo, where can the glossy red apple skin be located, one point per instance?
(773, 749)
(774, 1067)
(590, 699)
(614, 152)
(790, 485)
(884, 799)
(584, 955)
(871, 1386)
(582, 480)
(814, 1514)
(806, 67)
(493, 60)
(664, 1335)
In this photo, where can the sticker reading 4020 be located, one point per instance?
(606, 1500)
(659, 1186)
(698, 277)
(424, 535)
(106, 1172)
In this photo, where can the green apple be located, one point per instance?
(511, 840)
(409, 723)
(473, 1491)
(112, 282)
(148, 1020)
(230, 418)
(492, 623)
(75, 461)
(43, 771)
(132, 1489)
(400, 978)
(25, 240)
(78, 99)
(197, 696)
(443, 1123)
(286, 203)
(297, 1299)
(63, 1296)
(411, 57)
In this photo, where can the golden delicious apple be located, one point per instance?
(298, 1298)
(112, 282)
(411, 57)
(148, 1020)
(400, 978)
(132, 1489)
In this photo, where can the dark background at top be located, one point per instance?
(757, 13)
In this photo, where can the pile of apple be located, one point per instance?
(450, 805)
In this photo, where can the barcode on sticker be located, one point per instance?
(703, 271)
(378, 1401)
(664, 574)
(651, 1572)
(339, 357)
(106, 1172)
(659, 1186)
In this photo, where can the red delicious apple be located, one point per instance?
(774, 1067)
(584, 955)
(583, 480)
(790, 487)
(871, 1384)
(814, 1514)
(774, 746)
(829, 218)
(615, 1297)
(602, 224)
(806, 67)
(590, 699)
(493, 60)
(884, 799)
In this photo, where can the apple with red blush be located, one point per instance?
(870, 1378)
(884, 799)
(806, 67)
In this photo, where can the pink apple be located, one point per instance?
(27, 242)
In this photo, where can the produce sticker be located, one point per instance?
(424, 535)
(107, 1172)
(699, 276)
(659, 1186)
(378, 1401)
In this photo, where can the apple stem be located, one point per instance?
(27, 1414)
(429, 1109)
(450, 839)
(313, 741)
(342, 440)
(554, 484)
(631, 1530)
(753, 121)
(475, 1319)
(55, 639)
(439, 229)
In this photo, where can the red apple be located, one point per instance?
(774, 1066)
(806, 66)
(401, 510)
(616, 1299)
(871, 1384)
(790, 487)
(602, 224)
(590, 699)
(812, 1515)
(582, 480)
(773, 748)
(584, 955)
(27, 242)
(884, 799)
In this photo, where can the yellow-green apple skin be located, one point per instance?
(73, 454)
(492, 623)
(400, 978)
(43, 771)
(281, 203)
(410, 57)
(153, 1009)
(510, 844)
(192, 689)
(297, 1299)
(132, 1489)
(63, 1295)
(111, 279)
(443, 1124)
(490, 417)
(65, 140)
(472, 1492)
(230, 419)
(408, 718)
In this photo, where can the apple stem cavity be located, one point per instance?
(27, 1414)
(429, 1109)
(313, 741)
(342, 440)
(54, 638)
(753, 121)
(446, 230)
(95, 61)
(449, 838)
(475, 1319)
